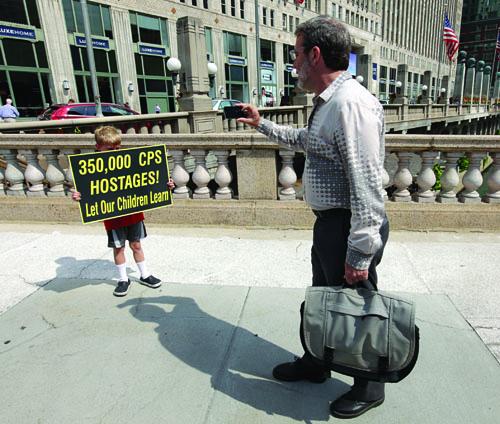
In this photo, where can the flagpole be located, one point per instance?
(495, 54)
(438, 85)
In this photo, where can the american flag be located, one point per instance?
(450, 38)
(497, 49)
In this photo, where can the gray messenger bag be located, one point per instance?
(360, 332)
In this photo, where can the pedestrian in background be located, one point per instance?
(344, 147)
(8, 113)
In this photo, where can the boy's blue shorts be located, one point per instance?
(134, 232)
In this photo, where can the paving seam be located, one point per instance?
(415, 267)
(24, 244)
(225, 360)
(483, 342)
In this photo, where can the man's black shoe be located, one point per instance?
(344, 407)
(122, 288)
(300, 370)
(151, 281)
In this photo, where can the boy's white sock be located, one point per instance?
(143, 269)
(122, 271)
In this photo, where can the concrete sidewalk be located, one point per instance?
(201, 348)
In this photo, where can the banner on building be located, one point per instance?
(121, 182)
(14, 32)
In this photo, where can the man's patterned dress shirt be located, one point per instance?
(344, 150)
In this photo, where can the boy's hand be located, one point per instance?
(76, 196)
(170, 184)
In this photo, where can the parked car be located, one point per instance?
(220, 104)
(83, 110)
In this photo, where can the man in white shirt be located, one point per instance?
(344, 148)
(8, 113)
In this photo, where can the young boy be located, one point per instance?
(130, 227)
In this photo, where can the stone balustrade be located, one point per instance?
(247, 166)
(398, 117)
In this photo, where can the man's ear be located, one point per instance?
(315, 53)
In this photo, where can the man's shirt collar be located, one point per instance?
(329, 91)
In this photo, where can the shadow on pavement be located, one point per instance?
(241, 370)
(102, 271)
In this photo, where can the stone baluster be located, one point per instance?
(33, 174)
(201, 177)
(143, 129)
(472, 179)
(240, 126)
(493, 195)
(426, 179)
(155, 129)
(167, 128)
(2, 177)
(54, 174)
(386, 179)
(14, 175)
(225, 125)
(232, 124)
(279, 118)
(449, 179)
(287, 176)
(180, 175)
(402, 178)
(67, 171)
(223, 176)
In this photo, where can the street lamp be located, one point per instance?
(212, 71)
(174, 66)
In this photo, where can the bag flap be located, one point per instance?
(358, 311)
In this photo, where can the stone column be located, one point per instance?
(443, 95)
(496, 89)
(428, 82)
(402, 76)
(469, 81)
(478, 85)
(57, 49)
(485, 93)
(125, 56)
(460, 76)
(193, 75)
(365, 64)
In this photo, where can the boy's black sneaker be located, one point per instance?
(122, 288)
(150, 281)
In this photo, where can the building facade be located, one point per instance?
(480, 28)
(43, 57)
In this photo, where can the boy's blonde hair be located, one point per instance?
(107, 136)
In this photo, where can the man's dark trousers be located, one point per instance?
(328, 254)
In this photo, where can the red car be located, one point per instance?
(83, 110)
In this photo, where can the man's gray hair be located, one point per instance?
(332, 38)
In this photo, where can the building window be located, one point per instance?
(242, 9)
(99, 17)
(267, 51)
(20, 12)
(233, 7)
(235, 44)
(205, 4)
(264, 16)
(149, 29)
(223, 6)
(284, 22)
(272, 18)
(236, 73)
